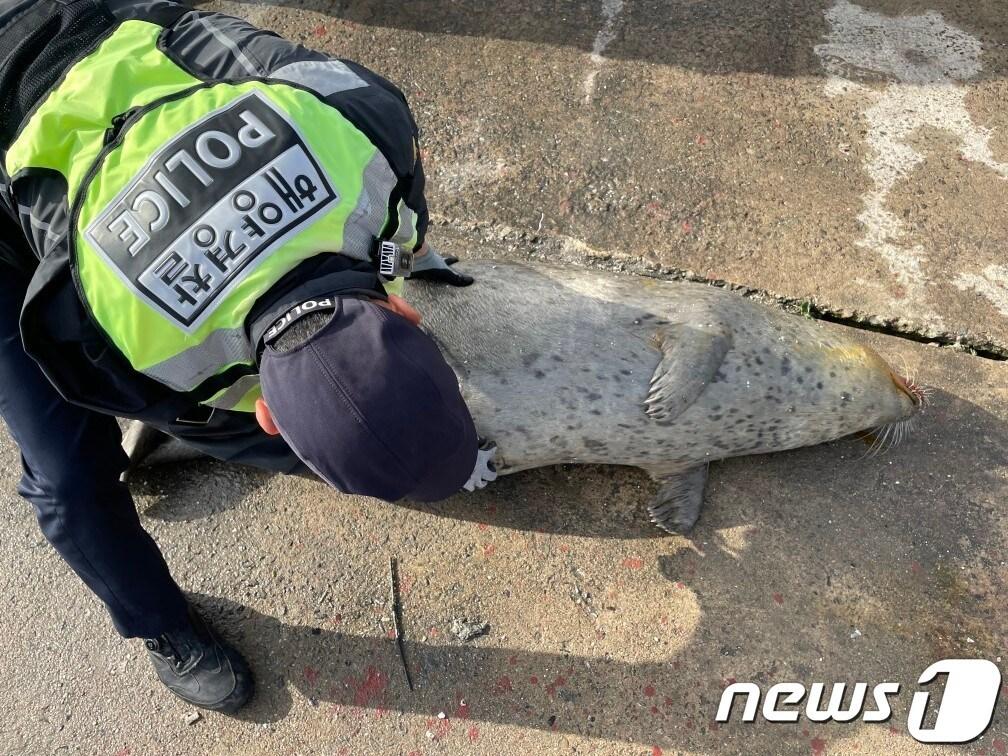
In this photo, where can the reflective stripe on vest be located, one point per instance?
(239, 396)
(205, 197)
(406, 234)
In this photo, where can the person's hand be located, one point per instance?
(428, 265)
(400, 306)
(485, 470)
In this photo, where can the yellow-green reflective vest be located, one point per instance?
(196, 201)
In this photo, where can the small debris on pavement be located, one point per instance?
(856, 633)
(193, 717)
(466, 630)
(397, 617)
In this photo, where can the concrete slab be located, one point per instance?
(854, 154)
(817, 565)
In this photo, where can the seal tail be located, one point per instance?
(679, 501)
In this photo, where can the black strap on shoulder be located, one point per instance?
(37, 47)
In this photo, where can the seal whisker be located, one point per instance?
(892, 435)
(880, 447)
(875, 436)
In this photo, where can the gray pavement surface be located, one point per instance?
(778, 145)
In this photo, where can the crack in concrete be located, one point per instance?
(558, 249)
(897, 328)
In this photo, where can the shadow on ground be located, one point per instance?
(794, 553)
(723, 36)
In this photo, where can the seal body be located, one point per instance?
(562, 365)
(578, 366)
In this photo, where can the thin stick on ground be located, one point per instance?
(397, 617)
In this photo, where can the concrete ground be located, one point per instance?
(852, 157)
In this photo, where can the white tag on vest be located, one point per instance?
(209, 207)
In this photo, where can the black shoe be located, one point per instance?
(200, 668)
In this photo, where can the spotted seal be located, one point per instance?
(564, 365)
(561, 365)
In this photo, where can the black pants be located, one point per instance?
(72, 461)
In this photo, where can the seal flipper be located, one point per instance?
(690, 358)
(678, 504)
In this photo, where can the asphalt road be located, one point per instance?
(786, 146)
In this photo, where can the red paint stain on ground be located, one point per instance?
(654, 709)
(818, 745)
(311, 675)
(473, 734)
(483, 526)
(503, 684)
(439, 728)
(369, 688)
(999, 745)
(489, 549)
(778, 598)
(337, 619)
(512, 660)
(462, 711)
(656, 751)
(679, 584)
(534, 680)
(123, 752)
(633, 563)
(687, 227)
(894, 730)
(649, 690)
(415, 753)
(915, 568)
(390, 633)
(564, 549)
(319, 31)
